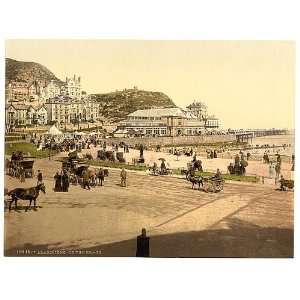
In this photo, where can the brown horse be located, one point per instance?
(30, 194)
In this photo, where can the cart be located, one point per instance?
(214, 185)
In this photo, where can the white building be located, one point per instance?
(52, 90)
(65, 110)
(72, 88)
(19, 115)
(41, 115)
(162, 122)
(212, 122)
(198, 109)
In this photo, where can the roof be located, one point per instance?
(40, 107)
(159, 112)
(212, 118)
(197, 104)
(19, 106)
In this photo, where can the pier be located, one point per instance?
(249, 134)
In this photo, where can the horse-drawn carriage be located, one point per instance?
(79, 168)
(17, 168)
(207, 184)
(212, 184)
(70, 162)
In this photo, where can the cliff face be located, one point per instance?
(27, 71)
(117, 105)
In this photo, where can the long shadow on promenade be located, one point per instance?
(241, 239)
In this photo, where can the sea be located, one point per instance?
(277, 140)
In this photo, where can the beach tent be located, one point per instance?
(54, 131)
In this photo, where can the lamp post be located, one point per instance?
(50, 150)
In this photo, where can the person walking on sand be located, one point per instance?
(123, 176)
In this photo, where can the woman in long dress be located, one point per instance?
(58, 185)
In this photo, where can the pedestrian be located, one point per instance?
(86, 178)
(141, 151)
(39, 177)
(65, 181)
(22, 174)
(101, 176)
(194, 158)
(230, 169)
(278, 159)
(57, 185)
(142, 245)
(242, 155)
(277, 170)
(123, 176)
(215, 154)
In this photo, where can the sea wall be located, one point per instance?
(177, 140)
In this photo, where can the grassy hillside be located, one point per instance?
(117, 105)
(27, 71)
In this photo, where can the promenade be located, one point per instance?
(245, 220)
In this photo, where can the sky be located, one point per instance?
(246, 84)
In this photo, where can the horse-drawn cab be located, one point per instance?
(69, 163)
(19, 167)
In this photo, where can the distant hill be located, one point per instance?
(117, 105)
(27, 71)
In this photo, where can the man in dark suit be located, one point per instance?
(142, 245)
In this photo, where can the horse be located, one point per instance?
(30, 194)
(195, 180)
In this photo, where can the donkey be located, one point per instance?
(30, 194)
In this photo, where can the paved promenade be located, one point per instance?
(245, 220)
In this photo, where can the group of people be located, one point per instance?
(239, 166)
(211, 154)
(62, 181)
